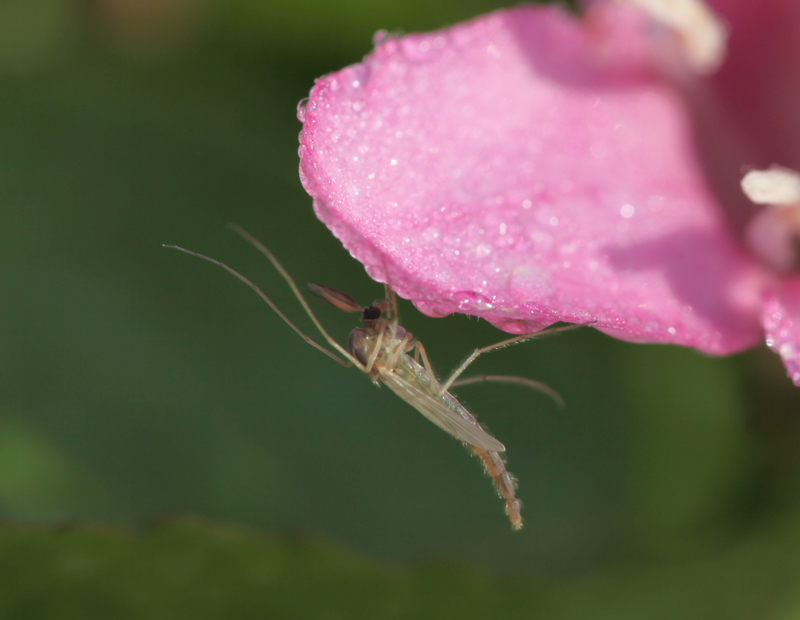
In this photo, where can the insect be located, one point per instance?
(382, 349)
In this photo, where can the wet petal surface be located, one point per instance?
(527, 168)
(781, 319)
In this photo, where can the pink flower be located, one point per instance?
(533, 166)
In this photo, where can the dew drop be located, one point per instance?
(482, 250)
(429, 308)
(468, 300)
(518, 326)
(430, 235)
(380, 37)
(301, 110)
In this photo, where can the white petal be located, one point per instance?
(703, 34)
(776, 186)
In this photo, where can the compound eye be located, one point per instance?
(371, 313)
(357, 345)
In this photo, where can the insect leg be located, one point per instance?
(397, 348)
(501, 345)
(392, 297)
(389, 292)
(420, 354)
(376, 350)
(534, 385)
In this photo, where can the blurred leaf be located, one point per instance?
(33, 474)
(188, 569)
(30, 31)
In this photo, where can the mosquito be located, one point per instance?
(381, 348)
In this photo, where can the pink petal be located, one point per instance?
(759, 82)
(525, 168)
(781, 318)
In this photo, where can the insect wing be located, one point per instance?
(441, 415)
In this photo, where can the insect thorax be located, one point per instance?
(363, 340)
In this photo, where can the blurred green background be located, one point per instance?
(138, 384)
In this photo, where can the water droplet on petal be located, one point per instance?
(429, 308)
(517, 326)
(301, 109)
(380, 37)
(482, 250)
(468, 300)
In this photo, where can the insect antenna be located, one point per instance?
(348, 361)
(290, 281)
(340, 300)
